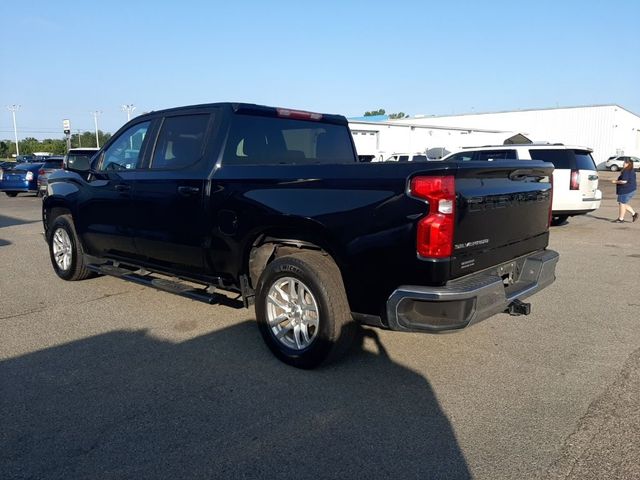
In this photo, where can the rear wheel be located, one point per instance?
(614, 167)
(558, 220)
(65, 250)
(11, 194)
(302, 310)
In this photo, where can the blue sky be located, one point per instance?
(65, 59)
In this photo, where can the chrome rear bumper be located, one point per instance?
(470, 299)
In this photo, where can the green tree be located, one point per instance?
(395, 116)
(373, 113)
(4, 149)
(88, 139)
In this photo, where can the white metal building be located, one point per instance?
(382, 139)
(607, 129)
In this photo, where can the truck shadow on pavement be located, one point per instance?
(6, 221)
(127, 405)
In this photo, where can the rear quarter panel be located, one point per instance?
(359, 213)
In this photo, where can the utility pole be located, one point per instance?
(79, 139)
(96, 114)
(129, 108)
(13, 109)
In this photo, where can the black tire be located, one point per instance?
(336, 328)
(77, 269)
(11, 194)
(558, 220)
(613, 167)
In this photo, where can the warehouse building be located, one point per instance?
(381, 138)
(607, 129)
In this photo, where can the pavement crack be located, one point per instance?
(595, 426)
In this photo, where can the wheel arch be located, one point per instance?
(272, 243)
(53, 207)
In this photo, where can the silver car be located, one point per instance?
(616, 163)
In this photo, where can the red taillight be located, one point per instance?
(298, 114)
(435, 231)
(41, 171)
(575, 180)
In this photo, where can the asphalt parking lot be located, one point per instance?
(107, 379)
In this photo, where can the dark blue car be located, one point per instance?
(23, 177)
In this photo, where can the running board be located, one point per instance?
(177, 287)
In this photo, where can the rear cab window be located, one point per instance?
(265, 140)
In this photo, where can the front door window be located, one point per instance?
(126, 152)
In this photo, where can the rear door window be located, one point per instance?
(256, 140)
(560, 158)
(419, 158)
(181, 141)
(403, 158)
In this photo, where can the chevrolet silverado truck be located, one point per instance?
(242, 205)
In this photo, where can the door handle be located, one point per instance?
(122, 187)
(187, 191)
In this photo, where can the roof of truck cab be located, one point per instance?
(248, 108)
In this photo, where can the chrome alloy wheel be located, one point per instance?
(62, 249)
(292, 313)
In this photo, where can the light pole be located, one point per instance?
(129, 108)
(96, 114)
(13, 109)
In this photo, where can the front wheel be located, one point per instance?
(65, 250)
(302, 310)
(613, 167)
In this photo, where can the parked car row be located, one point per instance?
(30, 173)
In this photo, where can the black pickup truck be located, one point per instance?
(272, 204)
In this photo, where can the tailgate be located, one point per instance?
(502, 213)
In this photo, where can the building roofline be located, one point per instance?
(601, 105)
(430, 127)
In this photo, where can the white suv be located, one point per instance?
(575, 180)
